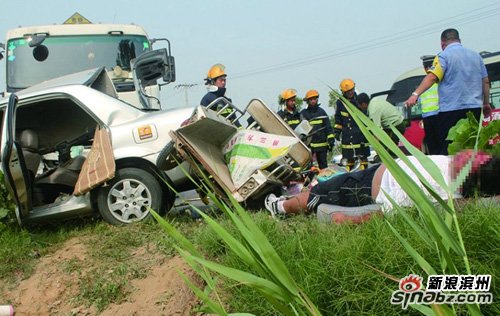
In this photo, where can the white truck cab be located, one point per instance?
(38, 53)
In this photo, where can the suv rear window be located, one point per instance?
(403, 89)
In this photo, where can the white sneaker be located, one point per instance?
(271, 203)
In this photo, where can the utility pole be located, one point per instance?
(186, 87)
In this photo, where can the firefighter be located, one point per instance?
(216, 86)
(289, 112)
(322, 139)
(354, 143)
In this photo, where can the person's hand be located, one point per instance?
(486, 110)
(412, 100)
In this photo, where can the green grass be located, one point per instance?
(21, 247)
(331, 262)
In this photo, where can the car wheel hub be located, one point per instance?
(129, 200)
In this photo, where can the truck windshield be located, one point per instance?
(70, 54)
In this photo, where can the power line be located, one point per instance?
(429, 28)
(186, 87)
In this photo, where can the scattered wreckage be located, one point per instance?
(246, 163)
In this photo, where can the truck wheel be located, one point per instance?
(168, 157)
(128, 197)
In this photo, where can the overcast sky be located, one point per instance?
(268, 46)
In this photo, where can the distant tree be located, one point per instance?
(298, 102)
(333, 98)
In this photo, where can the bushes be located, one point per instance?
(6, 203)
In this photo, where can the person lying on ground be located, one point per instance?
(352, 191)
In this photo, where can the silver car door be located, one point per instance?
(13, 166)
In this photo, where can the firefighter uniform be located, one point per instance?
(217, 89)
(289, 112)
(291, 118)
(322, 138)
(354, 142)
(212, 95)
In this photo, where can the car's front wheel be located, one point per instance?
(128, 197)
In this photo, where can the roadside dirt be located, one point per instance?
(52, 289)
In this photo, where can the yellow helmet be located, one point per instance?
(288, 94)
(216, 71)
(311, 94)
(346, 85)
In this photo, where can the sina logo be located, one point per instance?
(411, 283)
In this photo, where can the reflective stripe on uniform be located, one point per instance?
(330, 136)
(347, 146)
(338, 126)
(293, 122)
(226, 112)
(316, 145)
(346, 114)
(316, 122)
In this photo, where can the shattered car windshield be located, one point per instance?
(70, 54)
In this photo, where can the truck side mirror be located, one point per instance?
(2, 50)
(169, 73)
(40, 53)
(148, 68)
(153, 65)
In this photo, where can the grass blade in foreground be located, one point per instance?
(435, 226)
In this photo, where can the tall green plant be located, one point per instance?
(469, 134)
(437, 228)
(271, 277)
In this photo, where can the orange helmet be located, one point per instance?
(311, 94)
(346, 85)
(288, 94)
(216, 71)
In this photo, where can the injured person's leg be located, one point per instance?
(340, 214)
(349, 193)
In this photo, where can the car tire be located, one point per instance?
(138, 191)
(168, 157)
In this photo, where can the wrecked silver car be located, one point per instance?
(70, 148)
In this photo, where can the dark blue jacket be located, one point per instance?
(319, 120)
(212, 95)
(346, 127)
(292, 119)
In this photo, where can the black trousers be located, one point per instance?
(321, 158)
(449, 119)
(347, 189)
(431, 139)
